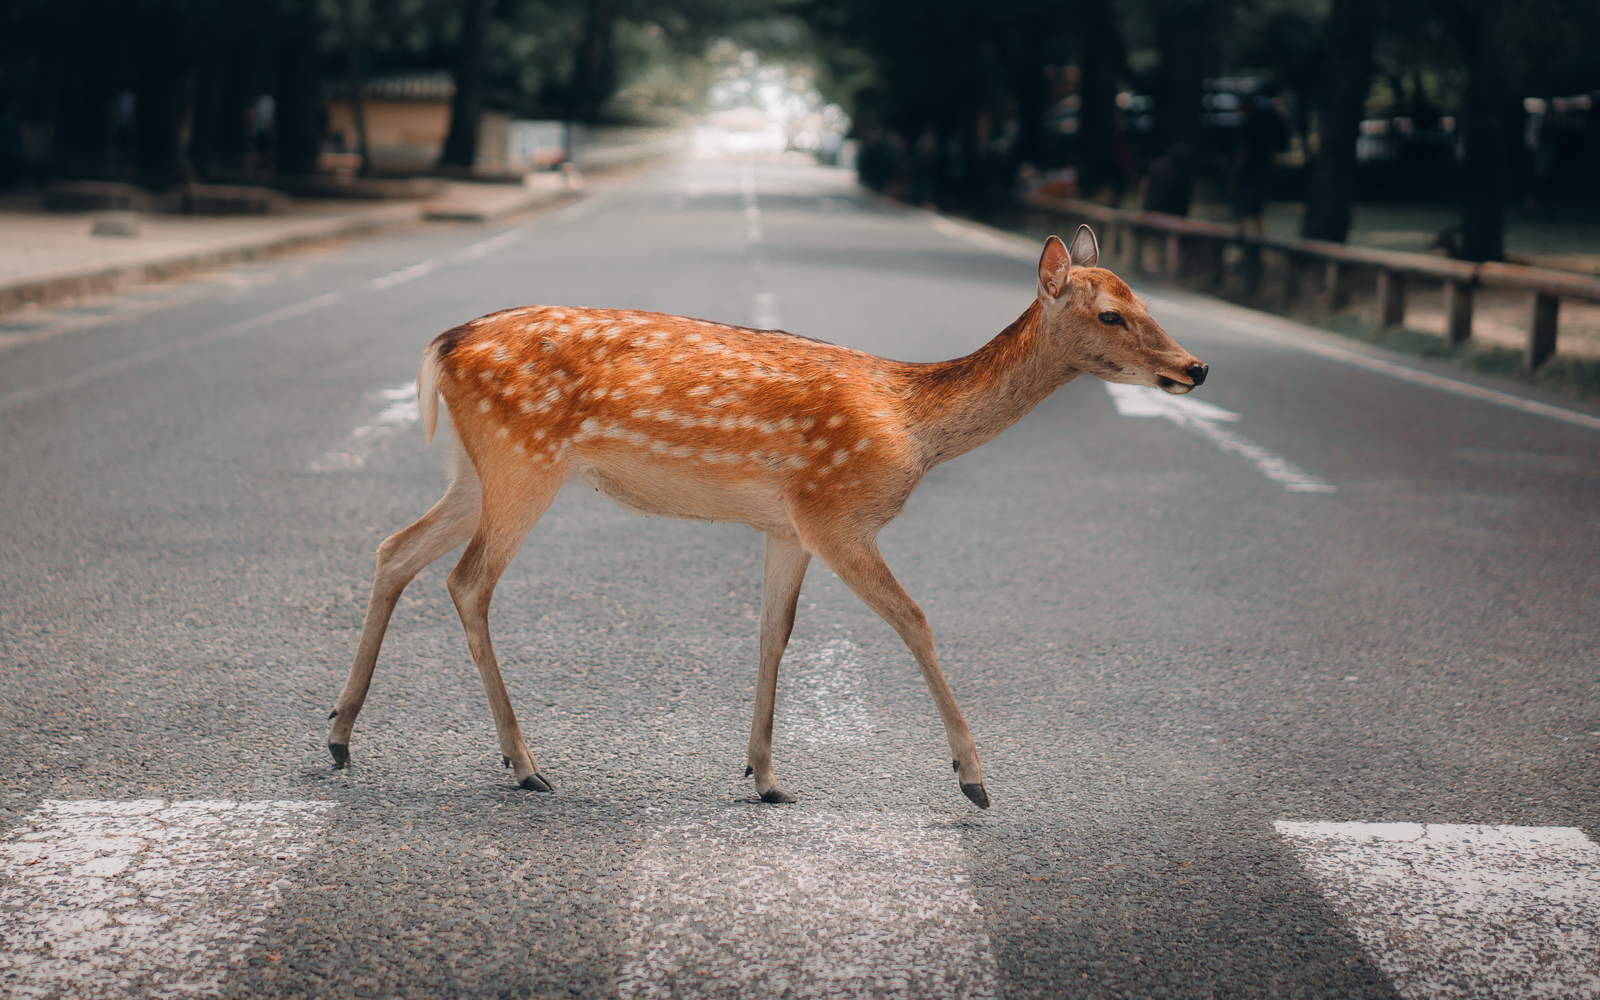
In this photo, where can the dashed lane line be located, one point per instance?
(104, 900)
(402, 411)
(84, 376)
(1203, 418)
(1462, 912)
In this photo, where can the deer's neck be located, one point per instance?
(958, 405)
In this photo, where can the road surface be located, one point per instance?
(1288, 690)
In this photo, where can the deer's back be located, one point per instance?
(682, 417)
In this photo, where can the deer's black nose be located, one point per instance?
(1197, 373)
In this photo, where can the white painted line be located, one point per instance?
(21, 397)
(1004, 244)
(144, 898)
(1458, 912)
(424, 268)
(1203, 418)
(764, 312)
(763, 902)
(1263, 328)
(401, 412)
(819, 700)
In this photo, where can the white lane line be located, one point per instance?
(820, 701)
(762, 902)
(143, 898)
(764, 312)
(1458, 912)
(401, 412)
(1203, 418)
(423, 268)
(83, 377)
(1004, 244)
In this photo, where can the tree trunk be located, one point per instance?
(1187, 36)
(1483, 163)
(160, 108)
(1352, 27)
(593, 73)
(299, 109)
(354, 79)
(466, 112)
(1102, 59)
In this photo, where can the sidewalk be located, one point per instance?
(49, 257)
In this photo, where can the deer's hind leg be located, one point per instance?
(780, 594)
(400, 558)
(512, 501)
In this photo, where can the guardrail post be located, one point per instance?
(1542, 312)
(1457, 311)
(1391, 299)
(1291, 280)
(1250, 269)
(1172, 262)
(1336, 284)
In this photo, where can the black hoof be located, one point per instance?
(534, 783)
(341, 755)
(979, 797)
(777, 796)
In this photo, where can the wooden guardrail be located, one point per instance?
(1197, 251)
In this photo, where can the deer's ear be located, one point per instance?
(1054, 264)
(1085, 248)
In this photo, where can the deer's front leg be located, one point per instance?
(780, 594)
(860, 565)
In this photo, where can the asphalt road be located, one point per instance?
(1161, 649)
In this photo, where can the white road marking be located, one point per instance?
(1454, 912)
(144, 898)
(401, 412)
(762, 902)
(1203, 418)
(85, 376)
(423, 268)
(764, 313)
(820, 699)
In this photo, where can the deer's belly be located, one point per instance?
(695, 494)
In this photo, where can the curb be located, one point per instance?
(71, 283)
(76, 282)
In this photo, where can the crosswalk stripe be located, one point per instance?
(142, 898)
(1459, 912)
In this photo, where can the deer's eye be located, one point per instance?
(1112, 319)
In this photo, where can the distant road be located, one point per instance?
(1283, 688)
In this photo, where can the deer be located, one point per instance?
(815, 445)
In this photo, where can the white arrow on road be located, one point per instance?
(1203, 418)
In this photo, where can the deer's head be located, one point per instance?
(1104, 329)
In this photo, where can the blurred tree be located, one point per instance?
(297, 79)
(466, 110)
(1352, 27)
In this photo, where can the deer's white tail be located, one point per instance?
(428, 390)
